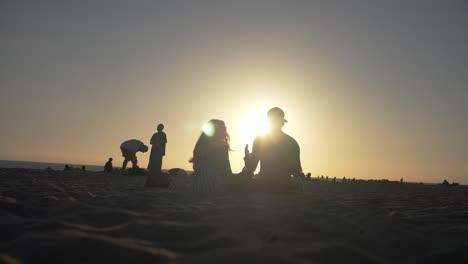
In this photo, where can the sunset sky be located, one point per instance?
(371, 89)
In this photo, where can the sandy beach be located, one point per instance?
(51, 216)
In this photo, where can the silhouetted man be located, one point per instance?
(129, 149)
(277, 152)
(108, 166)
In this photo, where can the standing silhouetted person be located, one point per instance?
(158, 150)
(108, 166)
(277, 152)
(129, 149)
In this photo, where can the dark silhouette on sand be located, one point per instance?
(446, 183)
(129, 149)
(277, 152)
(158, 150)
(108, 166)
(211, 166)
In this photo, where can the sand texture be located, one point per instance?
(88, 217)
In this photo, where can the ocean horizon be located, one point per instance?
(21, 164)
(44, 165)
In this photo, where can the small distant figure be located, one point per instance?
(353, 180)
(321, 178)
(309, 176)
(67, 167)
(211, 166)
(401, 180)
(129, 149)
(344, 179)
(445, 183)
(158, 150)
(299, 176)
(326, 178)
(302, 176)
(83, 168)
(108, 166)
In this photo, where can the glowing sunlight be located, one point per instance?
(253, 123)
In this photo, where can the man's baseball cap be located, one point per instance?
(276, 112)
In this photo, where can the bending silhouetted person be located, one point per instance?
(129, 149)
(158, 150)
(277, 152)
(211, 165)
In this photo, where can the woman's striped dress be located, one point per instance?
(211, 170)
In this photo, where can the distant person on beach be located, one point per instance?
(445, 183)
(277, 152)
(129, 149)
(211, 166)
(108, 166)
(158, 150)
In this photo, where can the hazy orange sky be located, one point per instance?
(371, 89)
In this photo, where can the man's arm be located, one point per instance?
(251, 162)
(297, 168)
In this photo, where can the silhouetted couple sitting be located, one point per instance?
(277, 153)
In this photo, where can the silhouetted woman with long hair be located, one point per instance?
(210, 160)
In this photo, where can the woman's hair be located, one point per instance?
(214, 133)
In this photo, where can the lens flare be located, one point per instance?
(208, 129)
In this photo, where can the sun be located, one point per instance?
(252, 124)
